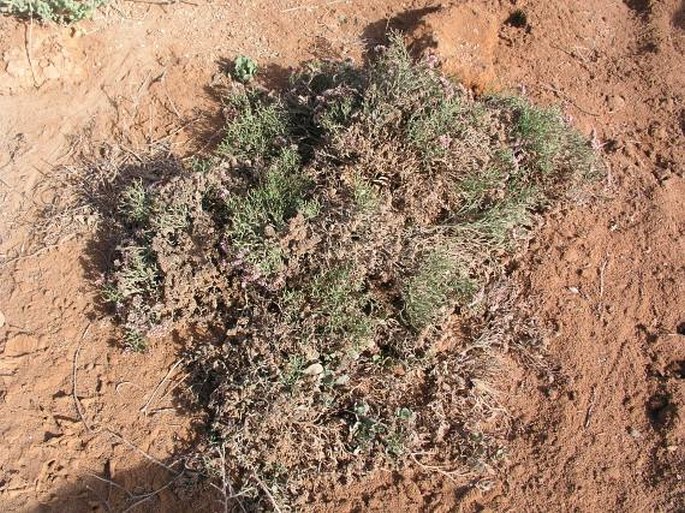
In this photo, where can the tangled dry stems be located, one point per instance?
(335, 261)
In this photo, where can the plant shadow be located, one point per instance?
(679, 17)
(176, 484)
(377, 33)
(144, 489)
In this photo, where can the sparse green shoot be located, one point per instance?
(340, 299)
(244, 69)
(431, 131)
(134, 341)
(137, 273)
(255, 130)
(265, 209)
(135, 204)
(440, 281)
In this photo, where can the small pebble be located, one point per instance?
(313, 370)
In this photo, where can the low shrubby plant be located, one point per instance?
(331, 267)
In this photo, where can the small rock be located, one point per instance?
(342, 380)
(616, 102)
(313, 370)
(311, 353)
(51, 72)
(2, 319)
(634, 433)
(16, 69)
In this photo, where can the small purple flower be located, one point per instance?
(445, 140)
(432, 61)
(448, 88)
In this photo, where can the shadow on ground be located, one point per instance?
(145, 489)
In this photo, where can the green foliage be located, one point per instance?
(136, 273)
(365, 197)
(337, 113)
(479, 189)
(168, 219)
(275, 199)
(134, 341)
(294, 371)
(111, 294)
(494, 226)
(430, 130)
(396, 82)
(59, 11)
(548, 145)
(310, 209)
(244, 69)
(434, 287)
(542, 130)
(255, 129)
(339, 298)
(135, 204)
(366, 429)
(279, 194)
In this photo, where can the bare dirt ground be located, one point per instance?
(607, 433)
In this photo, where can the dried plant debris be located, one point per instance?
(337, 253)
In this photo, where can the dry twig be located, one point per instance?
(564, 96)
(450, 474)
(28, 41)
(142, 452)
(111, 483)
(317, 6)
(77, 402)
(160, 385)
(146, 497)
(591, 406)
(267, 492)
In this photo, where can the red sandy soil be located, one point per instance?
(605, 433)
